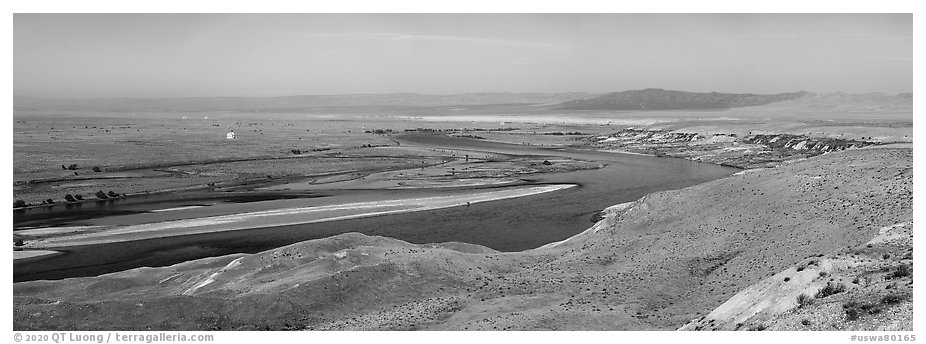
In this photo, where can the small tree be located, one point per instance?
(101, 195)
(64, 167)
(70, 198)
(96, 169)
(112, 194)
(50, 201)
(72, 167)
(19, 203)
(79, 197)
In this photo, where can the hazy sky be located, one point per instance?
(175, 55)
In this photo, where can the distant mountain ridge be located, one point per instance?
(660, 99)
(632, 100)
(304, 101)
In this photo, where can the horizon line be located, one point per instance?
(439, 94)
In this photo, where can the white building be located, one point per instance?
(230, 135)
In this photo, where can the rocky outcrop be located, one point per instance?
(654, 136)
(806, 144)
(752, 151)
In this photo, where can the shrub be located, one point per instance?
(902, 270)
(50, 201)
(72, 167)
(830, 289)
(787, 279)
(892, 299)
(19, 203)
(805, 322)
(803, 300)
(70, 198)
(855, 309)
(96, 169)
(852, 311)
(79, 197)
(112, 194)
(101, 195)
(18, 242)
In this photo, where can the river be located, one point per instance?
(513, 224)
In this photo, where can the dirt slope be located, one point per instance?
(868, 287)
(656, 264)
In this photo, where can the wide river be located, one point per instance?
(512, 224)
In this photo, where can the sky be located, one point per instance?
(207, 55)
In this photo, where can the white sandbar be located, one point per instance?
(31, 254)
(285, 216)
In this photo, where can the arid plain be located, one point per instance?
(699, 211)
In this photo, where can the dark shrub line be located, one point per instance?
(830, 289)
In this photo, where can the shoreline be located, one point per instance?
(289, 216)
(594, 227)
(619, 151)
